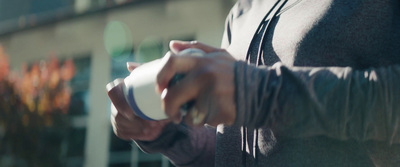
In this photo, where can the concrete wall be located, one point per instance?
(204, 19)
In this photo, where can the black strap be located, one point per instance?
(262, 30)
(256, 58)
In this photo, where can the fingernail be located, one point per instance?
(177, 41)
(175, 48)
(162, 96)
(131, 65)
(164, 93)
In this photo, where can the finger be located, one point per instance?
(139, 130)
(205, 106)
(124, 124)
(184, 91)
(124, 132)
(114, 111)
(113, 84)
(131, 66)
(174, 65)
(117, 97)
(153, 129)
(213, 109)
(136, 130)
(177, 46)
(148, 132)
(195, 118)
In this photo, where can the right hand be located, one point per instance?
(125, 123)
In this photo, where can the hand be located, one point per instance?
(125, 123)
(209, 81)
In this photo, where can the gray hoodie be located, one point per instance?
(324, 90)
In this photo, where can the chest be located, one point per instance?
(322, 32)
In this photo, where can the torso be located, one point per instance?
(355, 33)
(358, 33)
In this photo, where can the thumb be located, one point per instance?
(131, 66)
(177, 46)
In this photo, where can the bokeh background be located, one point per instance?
(56, 56)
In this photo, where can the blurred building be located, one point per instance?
(101, 35)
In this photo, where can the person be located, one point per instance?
(295, 83)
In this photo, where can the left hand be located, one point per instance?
(209, 81)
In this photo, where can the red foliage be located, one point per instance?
(33, 107)
(4, 64)
(43, 87)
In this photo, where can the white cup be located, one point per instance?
(139, 88)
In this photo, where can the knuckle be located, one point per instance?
(118, 118)
(221, 51)
(207, 73)
(206, 60)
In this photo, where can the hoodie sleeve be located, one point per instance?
(184, 146)
(338, 102)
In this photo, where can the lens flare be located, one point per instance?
(150, 48)
(117, 38)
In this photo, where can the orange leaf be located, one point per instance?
(68, 70)
(4, 64)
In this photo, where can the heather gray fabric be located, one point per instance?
(184, 146)
(337, 102)
(328, 95)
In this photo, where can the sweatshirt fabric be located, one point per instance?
(324, 93)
